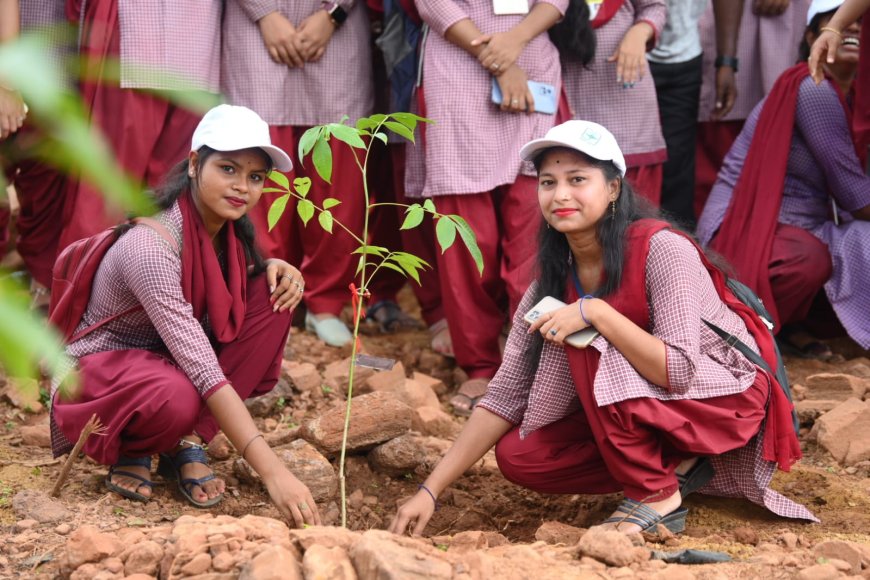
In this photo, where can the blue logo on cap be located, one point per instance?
(591, 136)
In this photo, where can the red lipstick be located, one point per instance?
(236, 201)
(564, 212)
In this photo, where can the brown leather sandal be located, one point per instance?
(467, 396)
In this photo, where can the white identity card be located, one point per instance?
(503, 7)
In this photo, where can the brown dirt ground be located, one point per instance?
(476, 502)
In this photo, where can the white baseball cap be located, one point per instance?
(232, 128)
(584, 136)
(822, 6)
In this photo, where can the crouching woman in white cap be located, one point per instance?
(185, 321)
(658, 405)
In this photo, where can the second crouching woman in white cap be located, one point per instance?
(623, 387)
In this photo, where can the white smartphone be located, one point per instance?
(579, 339)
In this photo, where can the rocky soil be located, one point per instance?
(486, 527)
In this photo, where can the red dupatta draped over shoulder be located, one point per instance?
(861, 121)
(630, 299)
(202, 280)
(745, 237)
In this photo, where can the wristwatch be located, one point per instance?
(730, 61)
(337, 14)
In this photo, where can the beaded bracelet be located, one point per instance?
(829, 29)
(432, 495)
(583, 316)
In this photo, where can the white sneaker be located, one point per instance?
(330, 330)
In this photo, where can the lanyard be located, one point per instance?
(577, 285)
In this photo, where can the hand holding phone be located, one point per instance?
(544, 95)
(579, 339)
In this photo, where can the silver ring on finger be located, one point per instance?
(553, 332)
(303, 506)
(515, 102)
(288, 276)
(494, 66)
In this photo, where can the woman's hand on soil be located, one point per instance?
(564, 321)
(285, 285)
(515, 93)
(417, 511)
(282, 39)
(500, 51)
(292, 498)
(630, 56)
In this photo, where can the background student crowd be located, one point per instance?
(674, 80)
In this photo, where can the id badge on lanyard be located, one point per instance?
(594, 6)
(503, 7)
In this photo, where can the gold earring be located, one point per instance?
(613, 208)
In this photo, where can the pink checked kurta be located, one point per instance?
(631, 114)
(766, 46)
(340, 83)
(700, 365)
(473, 145)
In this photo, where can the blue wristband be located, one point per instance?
(583, 316)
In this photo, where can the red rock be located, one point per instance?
(382, 555)
(273, 563)
(323, 563)
(88, 544)
(337, 374)
(303, 376)
(268, 530)
(143, 558)
(559, 533)
(113, 565)
(326, 536)
(312, 468)
(840, 550)
(375, 418)
(198, 565)
(219, 447)
(608, 546)
(139, 577)
(437, 385)
(818, 572)
(843, 432)
(417, 395)
(836, 386)
(809, 410)
(36, 436)
(398, 456)
(674, 572)
(435, 422)
(282, 435)
(22, 393)
(745, 535)
(24, 525)
(268, 403)
(391, 380)
(223, 562)
(469, 541)
(36, 505)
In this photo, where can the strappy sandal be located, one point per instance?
(170, 468)
(467, 396)
(390, 318)
(697, 477)
(143, 481)
(647, 518)
(439, 339)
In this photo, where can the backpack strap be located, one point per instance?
(741, 346)
(166, 235)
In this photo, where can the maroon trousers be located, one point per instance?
(147, 403)
(632, 446)
(647, 181)
(506, 223)
(148, 135)
(713, 142)
(799, 266)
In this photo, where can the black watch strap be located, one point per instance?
(730, 61)
(336, 13)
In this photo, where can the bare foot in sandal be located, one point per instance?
(440, 340)
(467, 395)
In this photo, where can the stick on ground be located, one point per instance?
(92, 427)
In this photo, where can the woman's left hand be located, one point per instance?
(501, 51)
(630, 57)
(557, 324)
(285, 285)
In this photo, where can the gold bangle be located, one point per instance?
(248, 444)
(829, 29)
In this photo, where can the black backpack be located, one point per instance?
(745, 294)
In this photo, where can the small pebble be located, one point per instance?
(63, 529)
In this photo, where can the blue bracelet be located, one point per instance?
(432, 495)
(583, 316)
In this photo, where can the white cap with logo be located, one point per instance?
(584, 136)
(232, 128)
(822, 6)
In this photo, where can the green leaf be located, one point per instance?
(411, 259)
(347, 135)
(364, 123)
(307, 141)
(302, 185)
(322, 158)
(400, 129)
(330, 202)
(359, 266)
(274, 190)
(408, 263)
(277, 210)
(470, 241)
(382, 136)
(305, 209)
(325, 219)
(280, 179)
(429, 205)
(414, 217)
(410, 120)
(371, 250)
(392, 266)
(445, 231)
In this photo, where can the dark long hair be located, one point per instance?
(553, 250)
(815, 27)
(573, 35)
(178, 180)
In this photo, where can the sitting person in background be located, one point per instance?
(658, 405)
(793, 190)
(184, 322)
